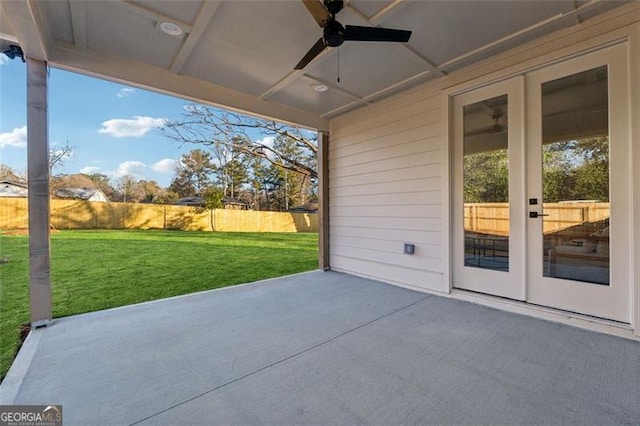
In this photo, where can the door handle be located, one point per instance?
(534, 215)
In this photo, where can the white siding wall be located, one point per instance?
(388, 162)
(385, 172)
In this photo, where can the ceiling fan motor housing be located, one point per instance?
(333, 33)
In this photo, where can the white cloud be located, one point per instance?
(17, 138)
(91, 170)
(125, 91)
(134, 168)
(267, 141)
(166, 165)
(4, 59)
(136, 127)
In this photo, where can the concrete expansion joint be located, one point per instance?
(285, 359)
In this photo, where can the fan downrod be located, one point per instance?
(334, 6)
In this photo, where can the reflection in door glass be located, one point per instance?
(486, 184)
(575, 133)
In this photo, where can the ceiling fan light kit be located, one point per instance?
(334, 33)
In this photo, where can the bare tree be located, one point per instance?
(59, 155)
(128, 187)
(208, 126)
(9, 173)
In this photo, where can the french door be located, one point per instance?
(488, 182)
(541, 187)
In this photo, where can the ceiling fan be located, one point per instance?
(499, 125)
(334, 33)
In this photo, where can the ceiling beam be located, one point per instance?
(388, 11)
(334, 87)
(8, 37)
(203, 19)
(572, 18)
(282, 83)
(79, 22)
(29, 26)
(293, 75)
(411, 81)
(118, 69)
(385, 13)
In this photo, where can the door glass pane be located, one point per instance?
(575, 133)
(486, 184)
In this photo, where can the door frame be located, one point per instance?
(624, 192)
(509, 284)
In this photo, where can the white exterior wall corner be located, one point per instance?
(377, 204)
(634, 72)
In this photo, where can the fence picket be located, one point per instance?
(77, 214)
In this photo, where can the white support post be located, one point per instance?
(323, 201)
(38, 176)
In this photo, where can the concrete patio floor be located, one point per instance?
(324, 347)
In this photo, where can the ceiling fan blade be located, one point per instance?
(317, 10)
(311, 54)
(357, 33)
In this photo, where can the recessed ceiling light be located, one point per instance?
(171, 28)
(320, 88)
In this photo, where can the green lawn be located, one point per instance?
(93, 270)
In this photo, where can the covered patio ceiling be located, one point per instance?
(241, 54)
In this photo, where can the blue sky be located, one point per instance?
(114, 128)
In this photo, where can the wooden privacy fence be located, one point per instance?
(76, 214)
(493, 218)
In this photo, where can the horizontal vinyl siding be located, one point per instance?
(385, 184)
(396, 274)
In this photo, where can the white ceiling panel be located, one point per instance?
(183, 10)
(61, 15)
(301, 94)
(443, 30)
(120, 32)
(249, 46)
(366, 67)
(6, 30)
(369, 7)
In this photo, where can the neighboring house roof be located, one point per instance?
(196, 201)
(9, 188)
(88, 194)
(200, 202)
(310, 207)
(233, 201)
